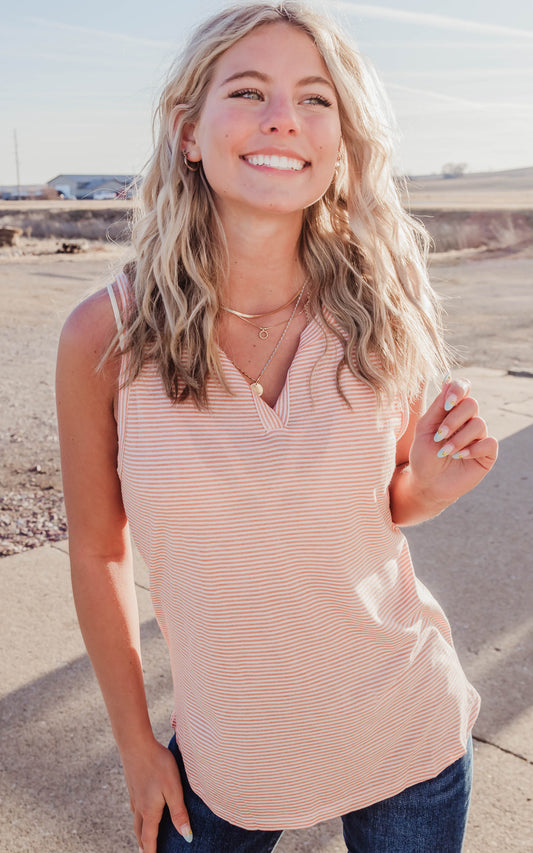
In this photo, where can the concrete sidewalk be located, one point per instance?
(61, 781)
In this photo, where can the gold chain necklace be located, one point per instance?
(256, 386)
(263, 313)
(263, 331)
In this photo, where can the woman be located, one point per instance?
(262, 434)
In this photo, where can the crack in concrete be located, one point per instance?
(515, 412)
(502, 748)
(57, 548)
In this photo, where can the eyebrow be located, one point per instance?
(264, 78)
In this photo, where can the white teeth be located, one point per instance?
(275, 162)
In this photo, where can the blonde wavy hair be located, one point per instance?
(364, 256)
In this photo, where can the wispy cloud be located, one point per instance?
(106, 59)
(459, 73)
(453, 102)
(443, 22)
(439, 96)
(485, 44)
(96, 33)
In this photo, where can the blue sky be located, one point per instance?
(83, 79)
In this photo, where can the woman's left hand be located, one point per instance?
(451, 450)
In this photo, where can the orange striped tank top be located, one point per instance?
(313, 673)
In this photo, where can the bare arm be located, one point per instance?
(443, 454)
(101, 564)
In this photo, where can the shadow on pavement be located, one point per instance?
(61, 779)
(476, 558)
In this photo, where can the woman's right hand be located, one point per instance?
(153, 781)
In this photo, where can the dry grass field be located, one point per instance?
(509, 190)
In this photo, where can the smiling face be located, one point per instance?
(269, 132)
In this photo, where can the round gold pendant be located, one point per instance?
(257, 388)
(263, 334)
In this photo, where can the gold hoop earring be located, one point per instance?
(188, 162)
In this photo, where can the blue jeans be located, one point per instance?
(429, 817)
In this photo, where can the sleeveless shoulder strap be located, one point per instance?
(121, 288)
(114, 305)
(120, 296)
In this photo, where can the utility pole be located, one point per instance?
(17, 162)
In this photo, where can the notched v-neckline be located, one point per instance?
(274, 417)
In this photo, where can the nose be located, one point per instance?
(280, 117)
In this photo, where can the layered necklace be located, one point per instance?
(264, 330)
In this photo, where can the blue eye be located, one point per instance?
(251, 94)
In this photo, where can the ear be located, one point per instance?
(189, 143)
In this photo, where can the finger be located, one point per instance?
(459, 415)
(173, 795)
(180, 819)
(474, 430)
(454, 392)
(484, 451)
(150, 829)
(137, 828)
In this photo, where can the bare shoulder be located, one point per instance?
(88, 436)
(92, 323)
(86, 335)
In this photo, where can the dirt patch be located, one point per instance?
(36, 295)
(488, 301)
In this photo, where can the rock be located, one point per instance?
(9, 236)
(520, 371)
(73, 247)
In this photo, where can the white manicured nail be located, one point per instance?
(186, 831)
(462, 454)
(442, 432)
(445, 451)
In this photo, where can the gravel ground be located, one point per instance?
(37, 291)
(488, 300)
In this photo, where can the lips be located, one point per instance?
(276, 161)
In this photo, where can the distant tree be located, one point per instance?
(453, 170)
